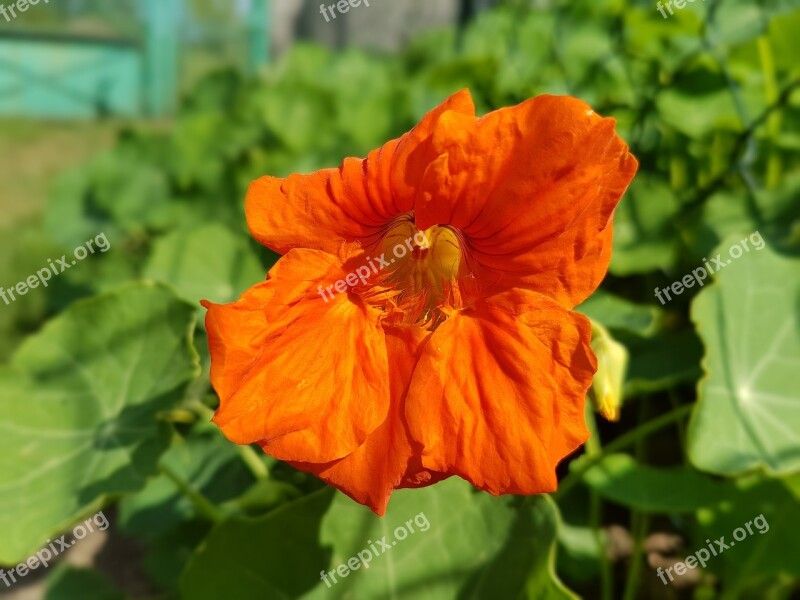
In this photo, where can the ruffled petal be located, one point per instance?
(533, 189)
(279, 369)
(498, 394)
(333, 208)
(388, 457)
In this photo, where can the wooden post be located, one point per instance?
(161, 56)
(258, 22)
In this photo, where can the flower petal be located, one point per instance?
(279, 369)
(332, 208)
(498, 394)
(533, 188)
(388, 457)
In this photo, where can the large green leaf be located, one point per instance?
(79, 404)
(749, 412)
(277, 556)
(282, 555)
(662, 490)
(205, 262)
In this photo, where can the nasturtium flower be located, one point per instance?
(461, 354)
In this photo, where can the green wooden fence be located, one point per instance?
(45, 74)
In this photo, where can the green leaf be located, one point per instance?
(695, 110)
(68, 583)
(772, 546)
(736, 23)
(282, 554)
(616, 312)
(120, 192)
(298, 115)
(25, 251)
(169, 553)
(783, 34)
(208, 262)
(620, 479)
(582, 45)
(579, 551)
(725, 213)
(516, 541)
(363, 106)
(644, 238)
(208, 462)
(543, 583)
(661, 362)
(263, 496)
(748, 413)
(277, 556)
(528, 56)
(79, 404)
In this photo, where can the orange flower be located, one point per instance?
(459, 355)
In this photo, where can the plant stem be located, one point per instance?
(587, 462)
(675, 401)
(253, 461)
(771, 94)
(641, 524)
(640, 521)
(248, 455)
(593, 448)
(202, 505)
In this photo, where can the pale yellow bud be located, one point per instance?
(612, 363)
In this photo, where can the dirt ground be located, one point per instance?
(34, 152)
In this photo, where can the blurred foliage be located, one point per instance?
(709, 101)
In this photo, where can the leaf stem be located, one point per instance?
(202, 505)
(675, 401)
(253, 461)
(641, 524)
(248, 455)
(587, 462)
(593, 448)
(771, 94)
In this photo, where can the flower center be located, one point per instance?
(420, 285)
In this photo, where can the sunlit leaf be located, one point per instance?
(463, 542)
(749, 412)
(621, 480)
(207, 262)
(79, 406)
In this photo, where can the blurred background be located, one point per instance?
(145, 121)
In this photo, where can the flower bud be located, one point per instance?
(612, 363)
